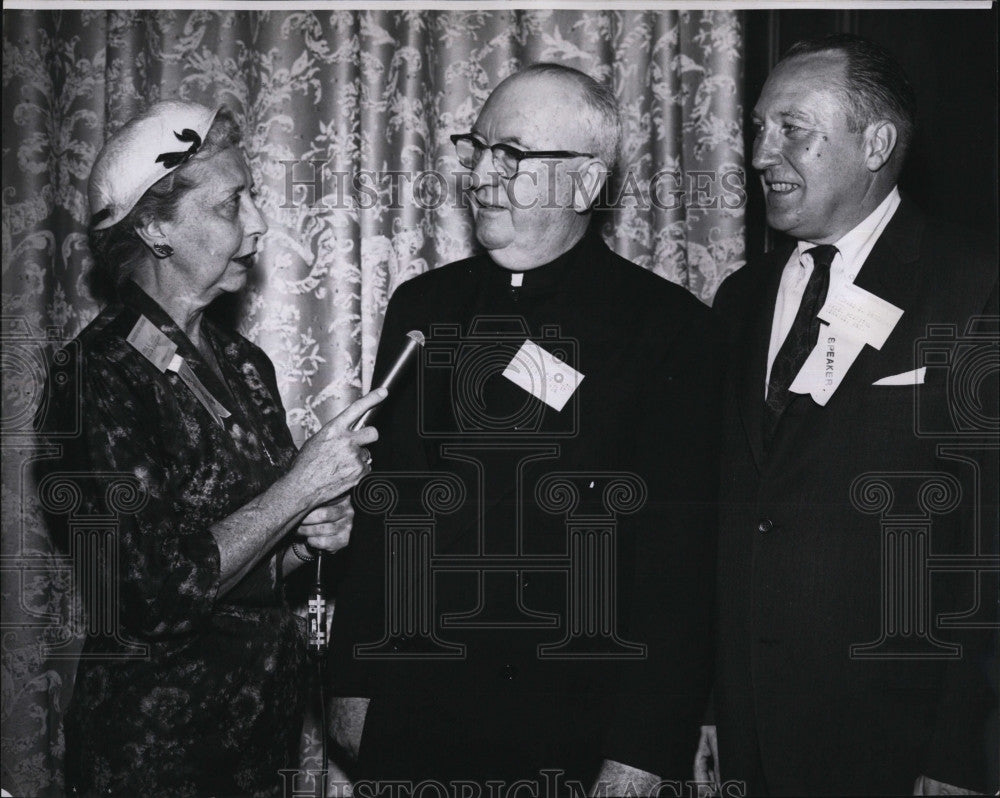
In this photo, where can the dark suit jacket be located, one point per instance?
(800, 567)
(644, 419)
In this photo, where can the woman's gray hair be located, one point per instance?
(119, 249)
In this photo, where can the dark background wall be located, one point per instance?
(951, 58)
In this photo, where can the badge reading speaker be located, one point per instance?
(543, 375)
(852, 318)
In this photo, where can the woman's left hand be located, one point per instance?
(328, 527)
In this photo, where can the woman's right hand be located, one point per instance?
(334, 460)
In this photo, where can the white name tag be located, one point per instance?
(543, 375)
(826, 365)
(860, 314)
(180, 367)
(854, 317)
(152, 343)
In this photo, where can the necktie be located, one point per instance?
(801, 338)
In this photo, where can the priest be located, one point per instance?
(530, 591)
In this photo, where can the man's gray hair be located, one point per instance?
(874, 86)
(599, 99)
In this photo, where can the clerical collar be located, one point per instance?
(545, 277)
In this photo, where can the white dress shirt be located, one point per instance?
(852, 251)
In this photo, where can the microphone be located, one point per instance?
(416, 340)
(318, 616)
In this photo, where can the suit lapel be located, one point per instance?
(459, 305)
(890, 272)
(450, 307)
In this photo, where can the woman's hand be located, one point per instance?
(328, 527)
(334, 460)
(329, 464)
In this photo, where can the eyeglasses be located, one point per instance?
(506, 157)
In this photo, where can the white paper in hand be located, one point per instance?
(543, 375)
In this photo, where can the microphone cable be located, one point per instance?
(317, 613)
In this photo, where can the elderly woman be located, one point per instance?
(188, 413)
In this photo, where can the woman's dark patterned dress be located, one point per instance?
(215, 707)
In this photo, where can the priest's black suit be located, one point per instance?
(823, 532)
(560, 668)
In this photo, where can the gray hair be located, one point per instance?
(599, 99)
(118, 250)
(874, 87)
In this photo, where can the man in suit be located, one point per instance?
(843, 667)
(549, 472)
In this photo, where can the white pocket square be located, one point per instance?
(915, 377)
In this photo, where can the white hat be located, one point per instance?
(147, 148)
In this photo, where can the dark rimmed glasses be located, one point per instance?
(506, 157)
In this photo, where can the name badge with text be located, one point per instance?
(543, 375)
(860, 314)
(826, 365)
(854, 317)
(154, 345)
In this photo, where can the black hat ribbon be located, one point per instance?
(171, 160)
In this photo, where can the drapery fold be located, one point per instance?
(346, 117)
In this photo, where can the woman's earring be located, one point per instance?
(163, 250)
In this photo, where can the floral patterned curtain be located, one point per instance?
(346, 117)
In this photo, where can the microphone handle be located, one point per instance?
(390, 378)
(317, 628)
